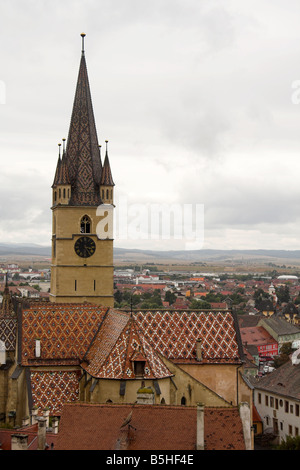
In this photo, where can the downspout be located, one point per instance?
(237, 383)
(240, 350)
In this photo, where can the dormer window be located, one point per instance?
(139, 369)
(85, 224)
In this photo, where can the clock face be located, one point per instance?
(85, 247)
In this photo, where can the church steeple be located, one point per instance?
(82, 255)
(82, 153)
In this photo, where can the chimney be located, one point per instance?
(145, 396)
(42, 421)
(34, 415)
(245, 416)
(2, 353)
(19, 442)
(200, 427)
(46, 415)
(199, 350)
(55, 425)
(37, 348)
(26, 421)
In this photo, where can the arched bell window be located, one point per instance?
(85, 224)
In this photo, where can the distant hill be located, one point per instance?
(135, 255)
(208, 255)
(24, 249)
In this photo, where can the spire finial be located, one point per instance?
(106, 145)
(59, 145)
(64, 140)
(83, 36)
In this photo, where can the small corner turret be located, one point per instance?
(61, 184)
(106, 182)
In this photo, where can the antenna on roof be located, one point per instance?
(127, 421)
(83, 36)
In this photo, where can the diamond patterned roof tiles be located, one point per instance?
(130, 346)
(51, 389)
(65, 332)
(106, 338)
(174, 334)
(82, 153)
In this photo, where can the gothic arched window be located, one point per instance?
(85, 224)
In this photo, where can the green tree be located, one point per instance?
(170, 297)
(260, 295)
(118, 296)
(284, 356)
(283, 294)
(199, 304)
(290, 443)
(151, 299)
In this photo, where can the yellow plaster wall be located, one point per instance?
(93, 275)
(222, 379)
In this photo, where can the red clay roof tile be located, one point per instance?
(154, 427)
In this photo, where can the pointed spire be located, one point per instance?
(57, 171)
(62, 173)
(82, 49)
(82, 151)
(100, 155)
(106, 177)
(7, 310)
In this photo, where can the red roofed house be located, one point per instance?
(259, 337)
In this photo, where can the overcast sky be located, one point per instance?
(198, 100)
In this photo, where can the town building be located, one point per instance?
(258, 336)
(281, 330)
(277, 400)
(291, 313)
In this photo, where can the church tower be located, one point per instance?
(82, 255)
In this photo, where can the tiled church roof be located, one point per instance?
(174, 334)
(107, 342)
(70, 333)
(52, 388)
(130, 346)
(65, 332)
(83, 154)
